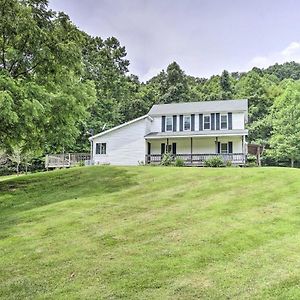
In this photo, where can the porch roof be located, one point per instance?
(208, 133)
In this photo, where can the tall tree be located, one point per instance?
(226, 85)
(41, 85)
(285, 140)
(172, 85)
(106, 64)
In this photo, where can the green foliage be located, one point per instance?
(228, 163)
(178, 162)
(214, 162)
(172, 85)
(41, 87)
(226, 85)
(167, 159)
(285, 140)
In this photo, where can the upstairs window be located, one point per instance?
(186, 123)
(224, 121)
(206, 122)
(101, 148)
(169, 124)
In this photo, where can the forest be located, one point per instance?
(58, 85)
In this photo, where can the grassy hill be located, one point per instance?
(151, 233)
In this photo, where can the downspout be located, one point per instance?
(92, 152)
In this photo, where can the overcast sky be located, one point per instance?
(203, 36)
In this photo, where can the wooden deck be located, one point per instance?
(199, 159)
(66, 160)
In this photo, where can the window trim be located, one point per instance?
(190, 117)
(169, 117)
(100, 149)
(226, 115)
(227, 148)
(206, 122)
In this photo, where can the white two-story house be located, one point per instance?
(193, 131)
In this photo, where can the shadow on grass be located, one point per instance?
(33, 191)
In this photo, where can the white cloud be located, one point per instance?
(290, 53)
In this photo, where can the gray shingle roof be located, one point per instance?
(199, 107)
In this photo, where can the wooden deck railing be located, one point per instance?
(65, 160)
(199, 159)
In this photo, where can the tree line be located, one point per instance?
(58, 85)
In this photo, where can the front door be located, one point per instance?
(174, 148)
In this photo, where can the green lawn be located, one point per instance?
(151, 233)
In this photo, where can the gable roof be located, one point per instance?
(119, 126)
(200, 107)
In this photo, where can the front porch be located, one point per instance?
(194, 151)
(199, 159)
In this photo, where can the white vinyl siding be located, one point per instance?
(124, 146)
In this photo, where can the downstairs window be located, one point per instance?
(101, 148)
(224, 148)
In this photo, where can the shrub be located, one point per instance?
(214, 162)
(179, 162)
(251, 158)
(228, 163)
(166, 160)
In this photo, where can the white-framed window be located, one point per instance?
(206, 122)
(101, 148)
(169, 123)
(224, 148)
(186, 123)
(224, 121)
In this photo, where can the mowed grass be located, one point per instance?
(151, 233)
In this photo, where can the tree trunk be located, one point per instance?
(18, 169)
(292, 163)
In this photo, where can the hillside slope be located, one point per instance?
(151, 233)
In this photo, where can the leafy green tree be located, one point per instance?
(42, 91)
(172, 85)
(285, 140)
(226, 85)
(253, 87)
(105, 64)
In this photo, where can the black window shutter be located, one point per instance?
(174, 123)
(173, 148)
(163, 123)
(229, 120)
(181, 122)
(217, 121)
(201, 122)
(230, 150)
(192, 122)
(219, 147)
(212, 121)
(162, 148)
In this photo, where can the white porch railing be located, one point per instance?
(199, 159)
(65, 160)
